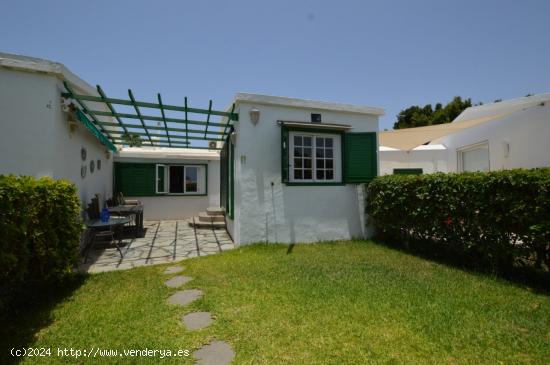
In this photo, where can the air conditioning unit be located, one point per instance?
(212, 144)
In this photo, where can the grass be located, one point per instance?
(329, 303)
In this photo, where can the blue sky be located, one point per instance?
(390, 54)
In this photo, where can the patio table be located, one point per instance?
(114, 223)
(130, 209)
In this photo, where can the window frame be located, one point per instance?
(185, 192)
(338, 153)
(472, 147)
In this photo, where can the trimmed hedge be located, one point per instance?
(495, 221)
(40, 227)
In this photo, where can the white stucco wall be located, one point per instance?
(527, 132)
(268, 210)
(428, 160)
(179, 206)
(35, 138)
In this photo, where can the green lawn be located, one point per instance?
(329, 303)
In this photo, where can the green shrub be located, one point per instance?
(495, 220)
(40, 228)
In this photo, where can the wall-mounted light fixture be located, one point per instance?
(254, 115)
(233, 138)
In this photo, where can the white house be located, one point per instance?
(283, 169)
(39, 137)
(503, 135)
(293, 169)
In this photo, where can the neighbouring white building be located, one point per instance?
(38, 136)
(503, 135)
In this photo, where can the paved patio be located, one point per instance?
(163, 242)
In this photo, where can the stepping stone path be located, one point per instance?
(184, 297)
(197, 320)
(177, 281)
(173, 270)
(215, 353)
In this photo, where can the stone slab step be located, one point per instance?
(205, 217)
(200, 224)
(215, 211)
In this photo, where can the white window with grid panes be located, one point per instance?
(315, 157)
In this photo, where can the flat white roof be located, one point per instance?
(162, 152)
(306, 103)
(502, 107)
(427, 147)
(40, 65)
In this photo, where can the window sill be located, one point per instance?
(181, 194)
(294, 183)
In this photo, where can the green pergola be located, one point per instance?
(172, 126)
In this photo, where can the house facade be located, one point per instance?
(283, 169)
(293, 169)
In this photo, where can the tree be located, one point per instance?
(132, 140)
(416, 116)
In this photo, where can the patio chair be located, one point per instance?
(122, 201)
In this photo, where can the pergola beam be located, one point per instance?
(136, 126)
(143, 104)
(154, 118)
(103, 97)
(177, 144)
(72, 95)
(163, 117)
(228, 119)
(186, 120)
(131, 95)
(113, 127)
(208, 118)
(173, 137)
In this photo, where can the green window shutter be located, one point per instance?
(284, 155)
(135, 179)
(232, 182)
(412, 171)
(360, 157)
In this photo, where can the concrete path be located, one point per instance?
(184, 297)
(197, 320)
(215, 353)
(177, 281)
(173, 270)
(163, 242)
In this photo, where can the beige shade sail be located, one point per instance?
(409, 138)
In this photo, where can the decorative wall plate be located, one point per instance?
(98, 164)
(83, 169)
(92, 166)
(83, 154)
